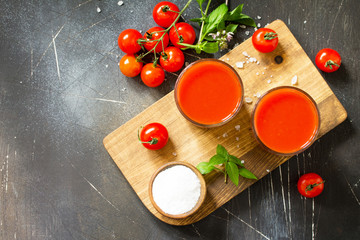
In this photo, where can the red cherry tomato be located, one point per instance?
(173, 60)
(129, 66)
(163, 13)
(310, 185)
(185, 34)
(152, 76)
(154, 136)
(265, 40)
(328, 60)
(128, 41)
(154, 34)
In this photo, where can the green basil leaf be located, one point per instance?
(233, 172)
(217, 159)
(210, 47)
(246, 173)
(205, 167)
(220, 150)
(246, 20)
(235, 14)
(231, 27)
(199, 20)
(221, 25)
(235, 160)
(214, 18)
(209, 38)
(200, 2)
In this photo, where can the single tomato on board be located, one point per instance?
(328, 60)
(165, 13)
(265, 40)
(152, 76)
(310, 185)
(129, 66)
(172, 60)
(128, 41)
(182, 33)
(153, 34)
(153, 136)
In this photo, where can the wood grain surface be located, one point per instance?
(193, 144)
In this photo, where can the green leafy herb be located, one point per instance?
(218, 27)
(233, 166)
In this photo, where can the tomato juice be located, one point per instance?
(286, 120)
(209, 92)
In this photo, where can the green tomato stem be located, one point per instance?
(312, 186)
(330, 63)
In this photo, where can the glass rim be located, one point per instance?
(233, 114)
(308, 144)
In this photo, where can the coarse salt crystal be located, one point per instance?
(258, 17)
(227, 59)
(263, 73)
(257, 73)
(237, 138)
(224, 135)
(252, 59)
(174, 153)
(271, 75)
(242, 26)
(265, 68)
(258, 25)
(269, 81)
(237, 127)
(242, 161)
(247, 32)
(239, 64)
(267, 170)
(120, 3)
(245, 54)
(98, 9)
(294, 80)
(258, 95)
(248, 100)
(176, 190)
(304, 21)
(247, 61)
(106, 66)
(255, 29)
(257, 62)
(237, 146)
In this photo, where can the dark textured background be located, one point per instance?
(61, 93)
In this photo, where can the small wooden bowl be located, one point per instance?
(202, 189)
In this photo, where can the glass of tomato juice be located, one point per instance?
(209, 93)
(285, 120)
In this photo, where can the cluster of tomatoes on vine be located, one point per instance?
(156, 41)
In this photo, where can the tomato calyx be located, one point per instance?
(270, 36)
(331, 63)
(310, 187)
(152, 142)
(166, 8)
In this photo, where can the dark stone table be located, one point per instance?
(61, 93)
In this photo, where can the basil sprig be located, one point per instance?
(218, 28)
(233, 166)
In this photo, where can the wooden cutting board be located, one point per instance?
(193, 144)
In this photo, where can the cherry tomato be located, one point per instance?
(310, 185)
(173, 60)
(154, 136)
(185, 34)
(154, 34)
(152, 76)
(328, 60)
(265, 40)
(128, 41)
(129, 66)
(163, 13)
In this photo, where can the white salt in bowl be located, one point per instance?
(185, 180)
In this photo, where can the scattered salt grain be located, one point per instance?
(242, 161)
(245, 54)
(237, 146)
(304, 21)
(265, 68)
(98, 9)
(237, 127)
(225, 135)
(247, 61)
(252, 59)
(271, 76)
(242, 26)
(239, 64)
(258, 17)
(176, 190)
(267, 170)
(131, 11)
(140, 31)
(174, 153)
(258, 95)
(255, 29)
(294, 80)
(257, 73)
(258, 25)
(263, 73)
(227, 59)
(106, 66)
(123, 89)
(237, 138)
(248, 100)
(120, 3)
(269, 81)
(247, 32)
(257, 62)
